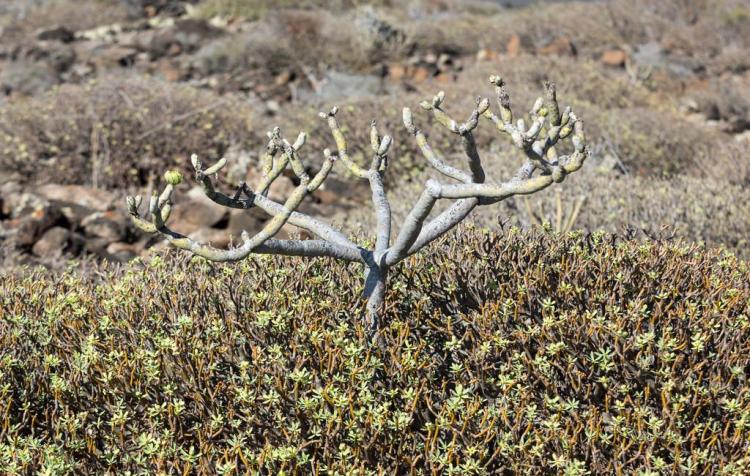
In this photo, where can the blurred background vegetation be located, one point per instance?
(107, 100)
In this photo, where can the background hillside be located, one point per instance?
(100, 97)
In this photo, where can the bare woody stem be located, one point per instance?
(547, 127)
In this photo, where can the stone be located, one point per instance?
(291, 232)
(420, 74)
(486, 54)
(184, 36)
(94, 246)
(57, 56)
(17, 203)
(213, 237)
(107, 225)
(649, 54)
(283, 78)
(53, 243)
(444, 78)
(339, 86)
(444, 61)
(95, 199)
(25, 77)
(430, 58)
(197, 212)
(245, 220)
(73, 212)
(169, 70)
(615, 58)
(56, 33)
(33, 225)
(513, 48)
(396, 71)
(347, 190)
(561, 46)
(326, 196)
(112, 56)
(280, 189)
(239, 163)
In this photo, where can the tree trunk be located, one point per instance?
(375, 278)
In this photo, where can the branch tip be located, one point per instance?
(497, 80)
(216, 167)
(385, 144)
(438, 99)
(409, 120)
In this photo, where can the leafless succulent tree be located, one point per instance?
(548, 125)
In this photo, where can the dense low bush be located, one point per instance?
(115, 131)
(706, 211)
(521, 354)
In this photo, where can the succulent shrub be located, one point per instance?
(539, 142)
(584, 353)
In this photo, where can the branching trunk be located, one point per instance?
(375, 286)
(547, 126)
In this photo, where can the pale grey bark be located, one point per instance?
(547, 127)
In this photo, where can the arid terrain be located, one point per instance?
(599, 326)
(99, 98)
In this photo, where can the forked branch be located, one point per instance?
(548, 126)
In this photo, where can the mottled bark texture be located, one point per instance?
(542, 166)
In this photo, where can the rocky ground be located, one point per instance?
(98, 98)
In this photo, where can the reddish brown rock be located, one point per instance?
(327, 197)
(53, 243)
(396, 72)
(109, 226)
(444, 78)
(88, 197)
(196, 213)
(33, 225)
(420, 74)
(562, 46)
(614, 58)
(113, 56)
(18, 204)
(283, 78)
(513, 48)
(169, 70)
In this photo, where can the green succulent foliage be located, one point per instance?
(173, 177)
(517, 353)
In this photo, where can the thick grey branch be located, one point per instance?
(443, 223)
(271, 207)
(413, 223)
